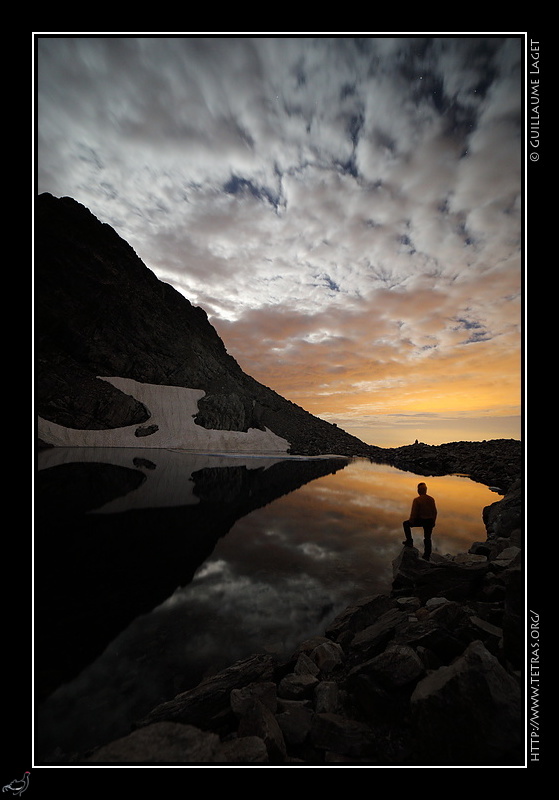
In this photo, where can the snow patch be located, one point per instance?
(172, 410)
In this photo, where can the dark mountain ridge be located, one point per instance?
(100, 312)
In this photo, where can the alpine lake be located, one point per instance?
(156, 568)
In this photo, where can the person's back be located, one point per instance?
(423, 515)
(423, 506)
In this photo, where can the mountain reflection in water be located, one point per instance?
(156, 568)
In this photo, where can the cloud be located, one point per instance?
(336, 204)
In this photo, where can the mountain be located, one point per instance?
(124, 360)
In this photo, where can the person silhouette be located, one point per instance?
(423, 515)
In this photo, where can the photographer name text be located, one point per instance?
(534, 95)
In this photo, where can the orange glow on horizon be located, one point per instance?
(361, 365)
(490, 386)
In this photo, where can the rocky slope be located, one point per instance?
(102, 317)
(427, 675)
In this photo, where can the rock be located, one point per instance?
(466, 559)
(468, 713)
(147, 430)
(224, 412)
(161, 743)
(297, 687)
(397, 666)
(309, 645)
(435, 602)
(246, 750)
(327, 657)
(358, 616)
(241, 699)
(366, 694)
(295, 722)
(426, 579)
(492, 589)
(481, 548)
(449, 614)
(333, 733)
(306, 666)
(328, 698)
(509, 557)
(429, 660)
(505, 516)
(372, 640)
(491, 635)
(259, 721)
(412, 603)
(209, 702)
(437, 639)
(487, 627)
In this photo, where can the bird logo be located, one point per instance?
(17, 787)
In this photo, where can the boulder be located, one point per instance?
(297, 686)
(328, 698)
(357, 617)
(509, 557)
(208, 704)
(437, 639)
(468, 713)
(161, 743)
(306, 666)
(244, 750)
(259, 721)
(372, 640)
(397, 666)
(413, 576)
(347, 737)
(327, 657)
(295, 721)
(264, 691)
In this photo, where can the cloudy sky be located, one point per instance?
(346, 209)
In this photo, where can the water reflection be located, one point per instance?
(190, 562)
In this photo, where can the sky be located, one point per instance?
(346, 209)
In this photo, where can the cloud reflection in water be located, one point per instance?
(280, 575)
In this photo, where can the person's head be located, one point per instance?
(422, 488)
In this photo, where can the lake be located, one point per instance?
(154, 569)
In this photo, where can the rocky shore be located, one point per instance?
(494, 462)
(426, 675)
